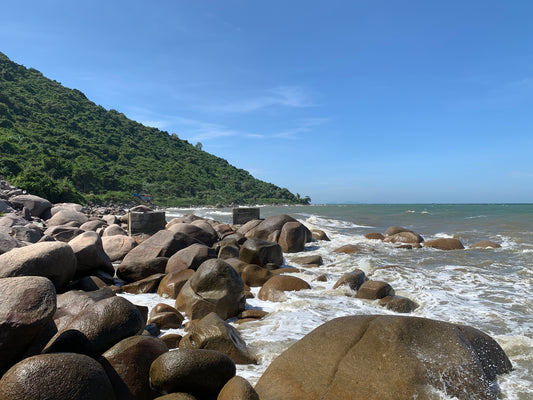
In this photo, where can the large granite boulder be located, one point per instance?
(66, 216)
(384, 357)
(445, 244)
(117, 246)
(35, 204)
(71, 303)
(353, 279)
(201, 233)
(255, 276)
(293, 237)
(238, 388)
(270, 228)
(214, 287)
(151, 256)
(56, 377)
(53, 260)
(127, 365)
(172, 283)
(98, 327)
(90, 254)
(8, 243)
(199, 372)
(28, 303)
(275, 287)
(63, 233)
(261, 252)
(190, 257)
(373, 290)
(212, 333)
(404, 237)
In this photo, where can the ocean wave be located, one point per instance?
(333, 223)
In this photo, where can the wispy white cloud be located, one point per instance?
(281, 96)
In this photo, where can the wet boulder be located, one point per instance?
(255, 276)
(261, 252)
(166, 317)
(485, 244)
(353, 279)
(319, 234)
(98, 327)
(398, 304)
(53, 260)
(146, 285)
(373, 290)
(212, 333)
(127, 365)
(269, 228)
(404, 237)
(374, 236)
(90, 254)
(172, 283)
(273, 288)
(28, 304)
(445, 244)
(371, 357)
(199, 372)
(214, 287)
(293, 237)
(315, 259)
(56, 377)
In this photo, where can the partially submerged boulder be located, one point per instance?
(273, 288)
(445, 244)
(261, 252)
(372, 357)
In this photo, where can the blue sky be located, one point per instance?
(364, 101)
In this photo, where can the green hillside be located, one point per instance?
(56, 143)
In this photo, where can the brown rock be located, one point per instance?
(486, 244)
(53, 260)
(98, 327)
(63, 233)
(35, 204)
(303, 260)
(214, 287)
(273, 289)
(66, 216)
(380, 357)
(319, 235)
(127, 365)
(393, 230)
(200, 233)
(146, 285)
(445, 244)
(56, 377)
(398, 304)
(90, 254)
(28, 304)
(116, 247)
(93, 225)
(404, 237)
(352, 279)
(172, 340)
(348, 249)
(114, 230)
(212, 333)
(202, 373)
(374, 236)
(372, 290)
(261, 252)
(266, 228)
(238, 388)
(255, 276)
(173, 282)
(190, 257)
(293, 237)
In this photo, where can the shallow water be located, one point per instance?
(489, 289)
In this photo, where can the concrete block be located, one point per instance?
(146, 222)
(243, 215)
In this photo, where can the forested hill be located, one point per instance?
(56, 143)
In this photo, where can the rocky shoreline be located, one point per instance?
(67, 335)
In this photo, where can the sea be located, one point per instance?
(489, 289)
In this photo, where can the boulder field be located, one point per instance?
(65, 334)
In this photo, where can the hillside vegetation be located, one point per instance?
(56, 143)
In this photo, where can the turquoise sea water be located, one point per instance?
(489, 289)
